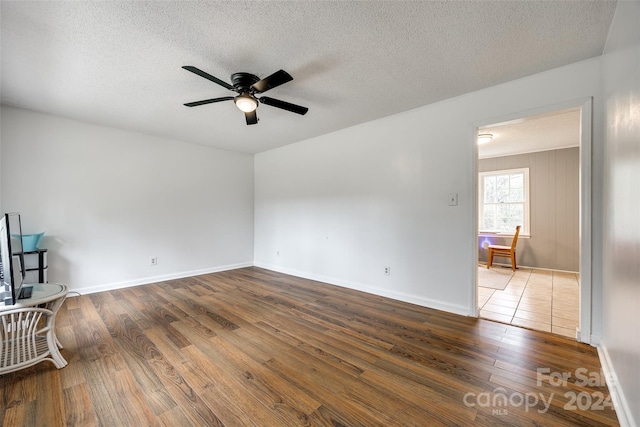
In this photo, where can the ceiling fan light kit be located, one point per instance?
(245, 102)
(483, 138)
(247, 85)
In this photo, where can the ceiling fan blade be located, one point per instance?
(208, 77)
(251, 117)
(208, 101)
(284, 105)
(276, 79)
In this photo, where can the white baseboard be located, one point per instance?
(399, 296)
(155, 279)
(502, 264)
(620, 403)
(412, 299)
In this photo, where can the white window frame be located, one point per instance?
(524, 231)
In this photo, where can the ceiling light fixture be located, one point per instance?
(245, 102)
(484, 138)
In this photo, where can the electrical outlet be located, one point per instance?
(387, 271)
(154, 261)
(453, 199)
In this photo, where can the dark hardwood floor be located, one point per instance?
(251, 347)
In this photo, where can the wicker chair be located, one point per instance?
(27, 337)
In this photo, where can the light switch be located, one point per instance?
(453, 199)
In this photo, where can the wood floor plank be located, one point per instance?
(174, 417)
(22, 415)
(253, 347)
(349, 412)
(74, 374)
(20, 387)
(227, 393)
(136, 410)
(46, 402)
(275, 393)
(105, 397)
(78, 406)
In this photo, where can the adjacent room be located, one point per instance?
(278, 213)
(529, 176)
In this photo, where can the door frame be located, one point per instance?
(585, 189)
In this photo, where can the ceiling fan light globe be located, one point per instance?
(246, 103)
(483, 138)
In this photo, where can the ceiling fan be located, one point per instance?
(247, 86)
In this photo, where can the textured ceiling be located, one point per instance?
(118, 63)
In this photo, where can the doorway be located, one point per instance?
(550, 290)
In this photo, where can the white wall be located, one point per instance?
(621, 324)
(110, 200)
(342, 206)
(554, 182)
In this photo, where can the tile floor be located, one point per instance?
(537, 299)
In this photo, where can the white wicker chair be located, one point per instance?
(27, 337)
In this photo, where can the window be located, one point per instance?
(504, 200)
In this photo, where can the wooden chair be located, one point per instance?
(26, 338)
(504, 251)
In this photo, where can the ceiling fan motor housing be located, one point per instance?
(242, 81)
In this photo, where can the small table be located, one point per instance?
(27, 329)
